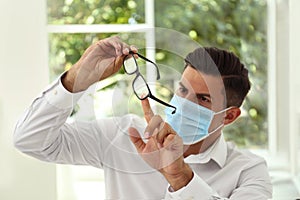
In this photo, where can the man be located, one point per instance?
(185, 157)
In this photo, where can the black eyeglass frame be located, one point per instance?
(138, 74)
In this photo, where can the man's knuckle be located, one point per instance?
(157, 117)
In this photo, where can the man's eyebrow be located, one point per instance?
(197, 94)
(181, 84)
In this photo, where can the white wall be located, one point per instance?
(23, 73)
(295, 85)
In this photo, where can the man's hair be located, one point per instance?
(214, 61)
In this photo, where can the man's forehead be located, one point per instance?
(193, 76)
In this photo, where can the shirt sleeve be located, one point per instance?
(197, 188)
(254, 184)
(42, 131)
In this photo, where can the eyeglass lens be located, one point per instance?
(130, 65)
(140, 87)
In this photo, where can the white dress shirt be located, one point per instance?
(221, 172)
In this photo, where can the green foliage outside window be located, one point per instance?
(235, 25)
(238, 26)
(95, 11)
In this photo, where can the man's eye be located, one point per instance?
(203, 99)
(182, 90)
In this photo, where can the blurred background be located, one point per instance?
(41, 39)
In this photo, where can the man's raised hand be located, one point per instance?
(164, 149)
(101, 60)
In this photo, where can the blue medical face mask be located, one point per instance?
(191, 121)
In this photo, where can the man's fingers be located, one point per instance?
(153, 126)
(148, 113)
(120, 47)
(158, 128)
(135, 50)
(173, 142)
(136, 139)
(165, 131)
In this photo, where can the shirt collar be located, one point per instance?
(217, 152)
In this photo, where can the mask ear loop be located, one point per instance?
(224, 110)
(213, 131)
(221, 125)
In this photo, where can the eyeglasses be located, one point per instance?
(139, 84)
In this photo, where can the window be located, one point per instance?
(237, 26)
(240, 26)
(72, 26)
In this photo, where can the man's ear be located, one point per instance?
(231, 115)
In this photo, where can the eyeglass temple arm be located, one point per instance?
(162, 102)
(141, 56)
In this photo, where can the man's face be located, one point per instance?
(205, 90)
